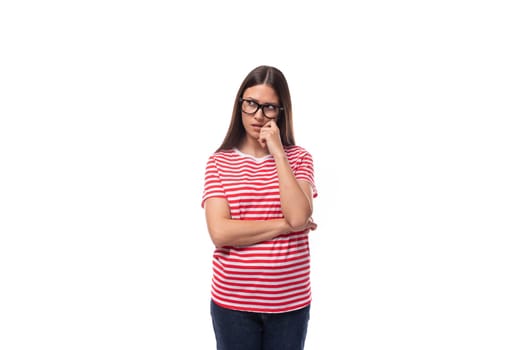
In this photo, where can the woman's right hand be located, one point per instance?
(311, 225)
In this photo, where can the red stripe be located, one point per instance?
(224, 266)
(277, 254)
(255, 305)
(225, 279)
(301, 295)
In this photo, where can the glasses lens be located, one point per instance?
(249, 106)
(271, 111)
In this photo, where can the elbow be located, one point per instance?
(299, 221)
(298, 224)
(217, 238)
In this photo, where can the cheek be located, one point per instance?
(244, 123)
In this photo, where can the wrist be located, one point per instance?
(280, 156)
(285, 227)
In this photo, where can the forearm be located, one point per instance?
(230, 232)
(296, 205)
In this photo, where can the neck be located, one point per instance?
(253, 147)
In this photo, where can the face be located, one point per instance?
(263, 95)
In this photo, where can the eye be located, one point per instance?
(271, 107)
(251, 103)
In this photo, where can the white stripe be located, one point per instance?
(303, 268)
(271, 265)
(259, 285)
(238, 196)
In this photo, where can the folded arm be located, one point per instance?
(225, 231)
(296, 196)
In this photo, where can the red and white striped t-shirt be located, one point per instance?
(271, 276)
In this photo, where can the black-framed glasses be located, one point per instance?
(269, 110)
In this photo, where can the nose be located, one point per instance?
(259, 115)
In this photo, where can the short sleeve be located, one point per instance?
(212, 183)
(305, 171)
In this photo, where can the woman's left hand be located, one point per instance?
(271, 138)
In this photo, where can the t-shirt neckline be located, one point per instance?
(257, 159)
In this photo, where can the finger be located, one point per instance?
(262, 140)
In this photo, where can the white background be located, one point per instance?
(412, 110)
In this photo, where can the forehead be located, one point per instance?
(262, 93)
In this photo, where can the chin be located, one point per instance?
(254, 135)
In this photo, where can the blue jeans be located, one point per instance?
(240, 330)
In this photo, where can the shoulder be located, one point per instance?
(222, 154)
(223, 159)
(297, 152)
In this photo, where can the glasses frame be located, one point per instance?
(261, 107)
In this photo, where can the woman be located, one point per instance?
(258, 194)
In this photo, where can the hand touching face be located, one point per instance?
(270, 138)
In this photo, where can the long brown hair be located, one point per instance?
(269, 76)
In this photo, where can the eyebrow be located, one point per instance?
(256, 100)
